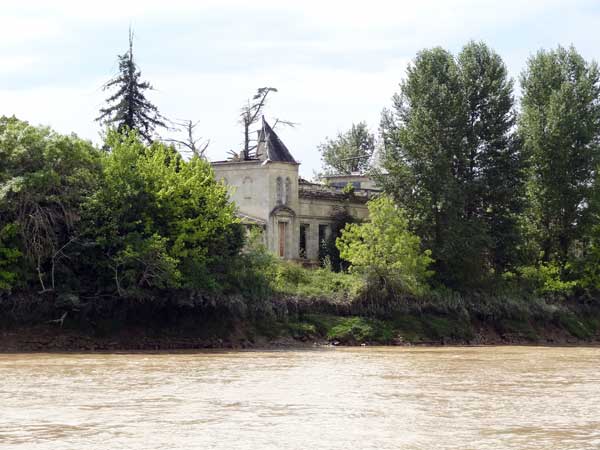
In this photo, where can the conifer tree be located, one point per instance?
(128, 107)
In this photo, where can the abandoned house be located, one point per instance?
(295, 215)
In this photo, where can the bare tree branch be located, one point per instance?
(190, 143)
(286, 123)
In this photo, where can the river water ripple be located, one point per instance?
(338, 398)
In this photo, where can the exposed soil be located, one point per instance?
(50, 338)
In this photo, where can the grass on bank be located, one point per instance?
(437, 316)
(294, 280)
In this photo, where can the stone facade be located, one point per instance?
(295, 215)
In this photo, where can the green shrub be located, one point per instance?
(10, 256)
(546, 278)
(302, 330)
(385, 251)
(292, 279)
(351, 329)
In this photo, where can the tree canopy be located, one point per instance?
(452, 161)
(349, 152)
(560, 129)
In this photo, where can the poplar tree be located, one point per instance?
(128, 107)
(452, 161)
(425, 153)
(494, 175)
(560, 128)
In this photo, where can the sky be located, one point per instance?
(334, 63)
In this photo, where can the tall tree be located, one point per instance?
(452, 160)
(128, 107)
(494, 175)
(560, 128)
(349, 152)
(424, 156)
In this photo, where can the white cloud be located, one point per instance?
(17, 63)
(66, 109)
(334, 62)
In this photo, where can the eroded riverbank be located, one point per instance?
(48, 338)
(35, 324)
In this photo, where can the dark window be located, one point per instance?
(322, 233)
(322, 241)
(304, 227)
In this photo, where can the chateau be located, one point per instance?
(294, 214)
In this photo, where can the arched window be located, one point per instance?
(279, 191)
(288, 190)
(247, 187)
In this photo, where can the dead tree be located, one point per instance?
(251, 112)
(190, 143)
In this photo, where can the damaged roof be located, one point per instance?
(270, 147)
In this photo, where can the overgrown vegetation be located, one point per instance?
(489, 215)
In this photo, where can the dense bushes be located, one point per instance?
(130, 221)
(158, 221)
(45, 179)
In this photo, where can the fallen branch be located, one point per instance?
(61, 320)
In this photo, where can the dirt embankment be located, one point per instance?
(32, 324)
(49, 338)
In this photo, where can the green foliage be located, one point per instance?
(253, 271)
(145, 263)
(349, 152)
(158, 221)
(384, 250)
(351, 330)
(440, 328)
(578, 327)
(588, 268)
(44, 178)
(520, 327)
(560, 129)
(452, 162)
(545, 278)
(328, 249)
(348, 189)
(301, 330)
(293, 279)
(9, 257)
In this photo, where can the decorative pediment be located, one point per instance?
(283, 210)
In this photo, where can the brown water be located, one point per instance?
(356, 398)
